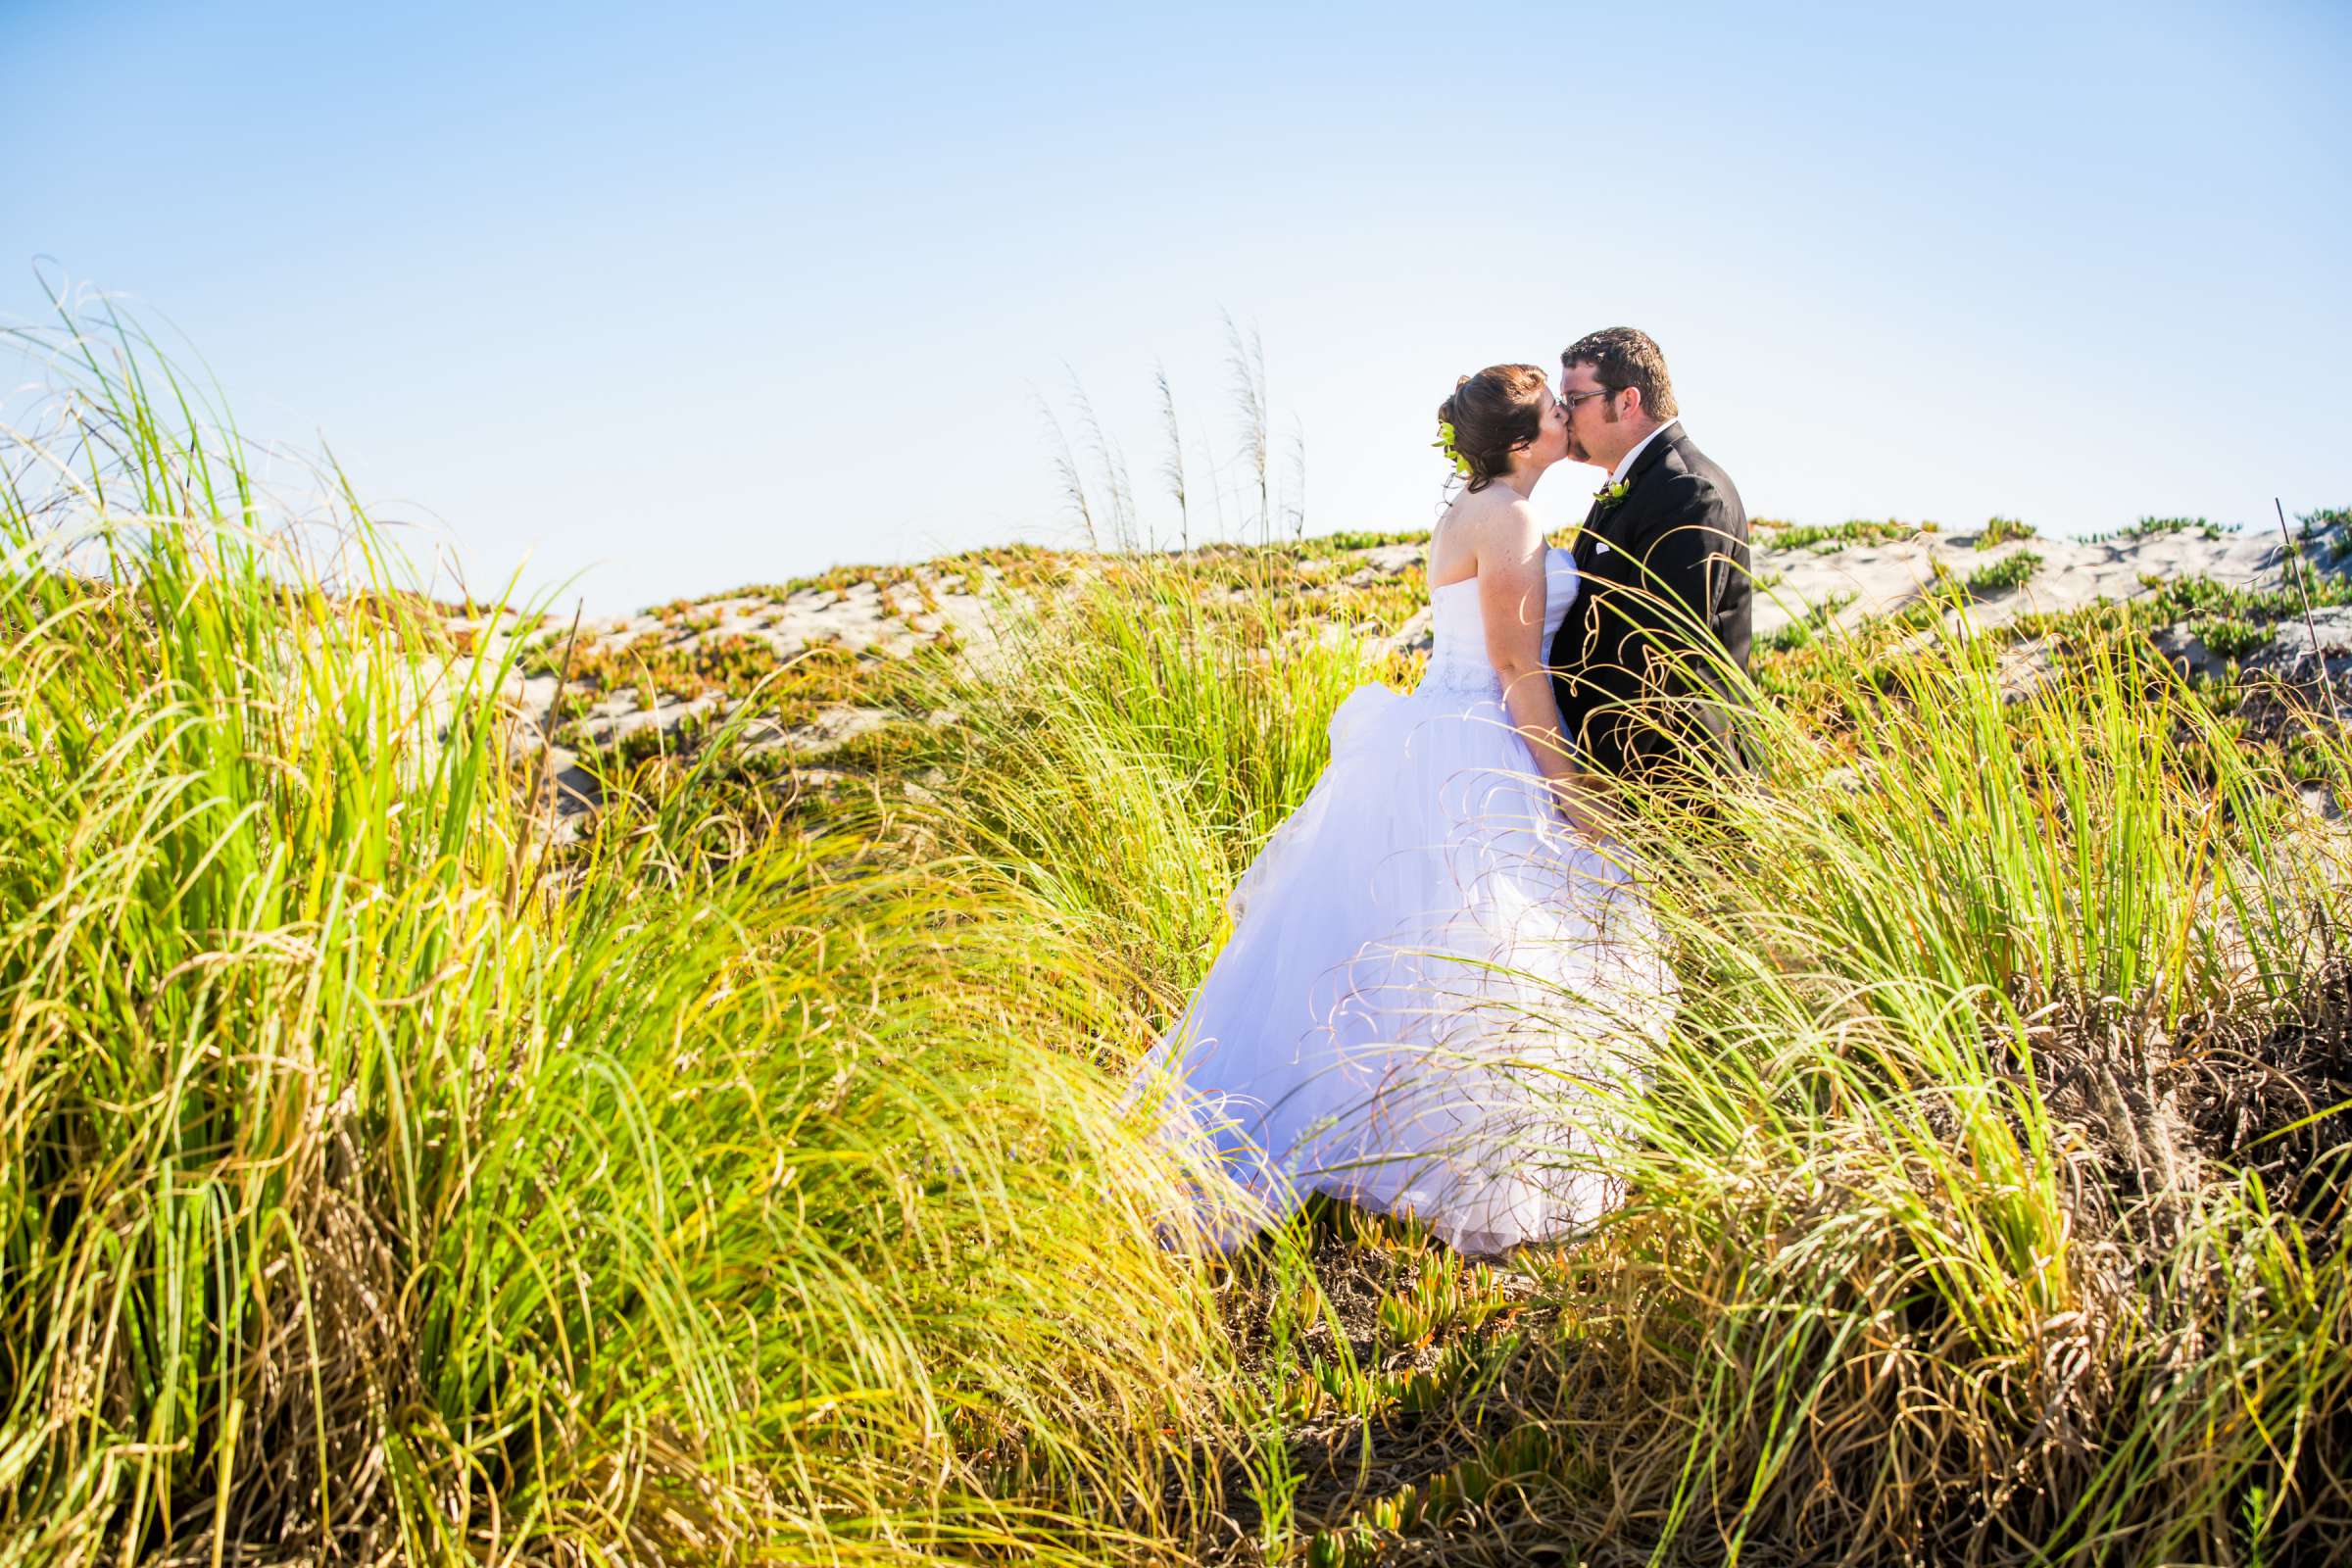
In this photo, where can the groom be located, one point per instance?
(1638, 666)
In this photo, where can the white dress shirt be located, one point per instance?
(1624, 464)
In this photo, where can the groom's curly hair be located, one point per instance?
(1492, 412)
(1623, 357)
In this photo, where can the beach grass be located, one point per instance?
(386, 1181)
(382, 1186)
(1978, 1205)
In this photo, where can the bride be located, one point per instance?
(1437, 960)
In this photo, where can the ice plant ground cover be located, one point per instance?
(739, 1177)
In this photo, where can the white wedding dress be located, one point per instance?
(1432, 984)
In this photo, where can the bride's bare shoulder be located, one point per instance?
(1497, 517)
(1496, 508)
(1482, 524)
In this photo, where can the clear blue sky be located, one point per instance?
(692, 296)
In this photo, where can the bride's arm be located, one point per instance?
(1510, 592)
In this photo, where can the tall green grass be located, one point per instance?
(1954, 1230)
(383, 1183)
(1135, 748)
(1945, 1239)
(374, 1187)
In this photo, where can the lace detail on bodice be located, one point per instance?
(1457, 654)
(1458, 680)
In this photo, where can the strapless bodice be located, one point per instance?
(1458, 652)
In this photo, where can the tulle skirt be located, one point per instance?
(1433, 994)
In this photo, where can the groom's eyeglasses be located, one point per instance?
(1572, 399)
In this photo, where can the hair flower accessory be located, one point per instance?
(1445, 443)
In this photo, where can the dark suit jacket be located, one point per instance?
(1668, 597)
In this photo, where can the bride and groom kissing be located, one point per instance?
(1438, 961)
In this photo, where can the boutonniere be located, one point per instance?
(1608, 495)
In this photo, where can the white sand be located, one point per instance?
(882, 620)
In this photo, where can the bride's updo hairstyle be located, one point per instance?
(1492, 412)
